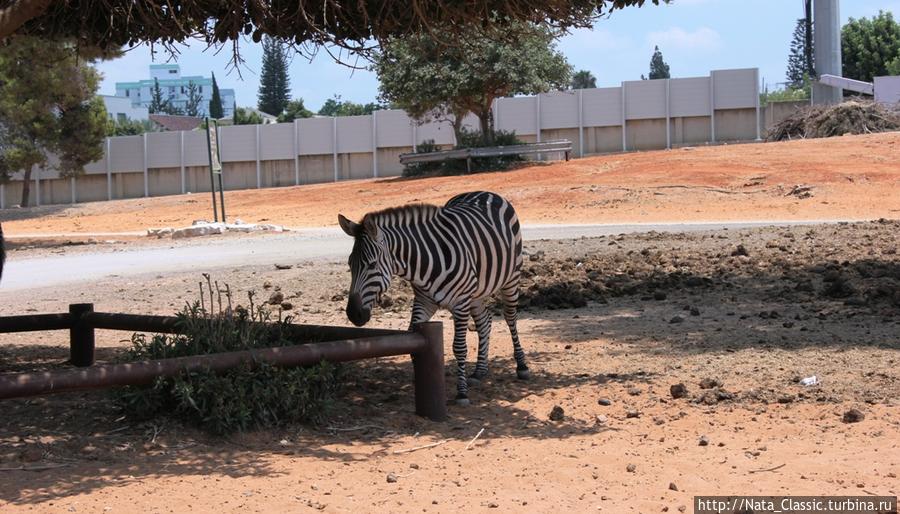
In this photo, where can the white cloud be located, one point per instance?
(676, 38)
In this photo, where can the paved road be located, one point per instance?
(289, 247)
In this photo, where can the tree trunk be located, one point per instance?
(457, 127)
(26, 186)
(486, 120)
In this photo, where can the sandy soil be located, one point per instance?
(853, 177)
(624, 318)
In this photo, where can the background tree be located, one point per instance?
(797, 68)
(336, 107)
(192, 105)
(48, 105)
(246, 117)
(583, 80)
(274, 84)
(428, 79)
(294, 110)
(658, 67)
(158, 103)
(128, 127)
(215, 103)
(869, 45)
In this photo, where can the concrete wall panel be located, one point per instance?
(276, 141)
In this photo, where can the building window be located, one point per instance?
(172, 72)
(121, 117)
(127, 92)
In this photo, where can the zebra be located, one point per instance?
(455, 257)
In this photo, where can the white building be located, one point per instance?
(121, 109)
(174, 87)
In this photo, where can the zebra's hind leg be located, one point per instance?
(510, 295)
(460, 322)
(482, 317)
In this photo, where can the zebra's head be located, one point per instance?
(370, 268)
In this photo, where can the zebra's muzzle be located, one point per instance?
(357, 315)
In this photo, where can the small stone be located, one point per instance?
(267, 285)
(601, 419)
(631, 413)
(492, 505)
(786, 398)
(709, 383)
(391, 478)
(634, 391)
(853, 416)
(276, 298)
(682, 508)
(606, 402)
(414, 466)
(704, 441)
(287, 306)
(676, 319)
(695, 311)
(557, 414)
(678, 391)
(630, 468)
(672, 486)
(568, 347)
(283, 266)
(741, 250)
(659, 296)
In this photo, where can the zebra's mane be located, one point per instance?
(402, 215)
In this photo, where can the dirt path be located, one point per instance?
(853, 177)
(795, 302)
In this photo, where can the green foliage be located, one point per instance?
(893, 67)
(128, 127)
(274, 83)
(870, 46)
(337, 107)
(192, 107)
(658, 67)
(215, 103)
(48, 105)
(797, 67)
(239, 399)
(294, 110)
(468, 139)
(584, 79)
(430, 79)
(246, 117)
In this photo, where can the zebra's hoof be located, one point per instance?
(463, 401)
(523, 374)
(476, 378)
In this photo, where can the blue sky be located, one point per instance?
(695, 36)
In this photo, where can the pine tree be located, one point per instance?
(158, 104)
(658, 67)
(192, 105)
(797, 68)
(215, 104)
(584, 79)
(274, 84)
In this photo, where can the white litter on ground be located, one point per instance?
(809, 381)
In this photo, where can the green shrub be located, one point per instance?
(238, 399)
(468, 139)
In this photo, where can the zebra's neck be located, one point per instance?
(403, 229)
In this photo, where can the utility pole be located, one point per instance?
(827, 43)
(810, 67)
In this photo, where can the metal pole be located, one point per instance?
(81, 335)
(334, 151)
(375, 144)
(212, 178)
(296, 152)
(109, 168)
(758, 130)
(827, 44)
(72, 186)
(146, 178)
(669, 115)
(712, 106)
(37, 185)
(580, 123)
(2, 196)
(428, 372)
(181, 158)
(414, 134)
(258, 169)
(537, 101)
(624, 133)
(221, 172)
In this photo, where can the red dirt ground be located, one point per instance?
(852, 177)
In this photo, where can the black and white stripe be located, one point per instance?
(455, 257)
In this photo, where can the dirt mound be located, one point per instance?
(852, 117)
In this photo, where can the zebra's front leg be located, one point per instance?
(481, 315)
(460, 322)
(422, 311)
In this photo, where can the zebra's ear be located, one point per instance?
(350, 228)
(371, 228)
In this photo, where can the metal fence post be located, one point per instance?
(712, 107)
(375, 144)
(258, 168)
(624, 122)
(537, 103)
(109, 168)
(81, 336)
(580, 123)
(72, 186)
(428, 370)
(758, 130)
(181, 160)
(668, 115)
(296, 152)
(334, 149)
(37, 185)
(146, 172)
